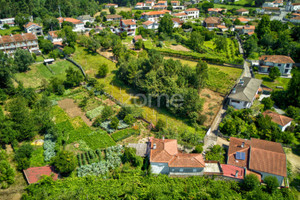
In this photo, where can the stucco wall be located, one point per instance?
(159, 168)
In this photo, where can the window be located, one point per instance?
(235, 101)
(181, 169)
(286, 71)
(194, 170)
(278, 65)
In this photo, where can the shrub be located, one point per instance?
(114, 123)
(268, 103)
(271, 183)
(103, 70)
(250, 182)
(94, 113)
(65, 162)
(198, 149)
(129, 119)
(160, 125)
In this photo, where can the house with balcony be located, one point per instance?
(113, 17)
(192, 13)
(34, 28)
(182, 15)
(128, 25)
(283, 63)
(292, 6)
(154, 15)
(10, 43)
(176, 5)
(78, 25)
(260, 157)
(212, 22)
(244, 93)
(150, 25)
(8, 21)
(165, 158)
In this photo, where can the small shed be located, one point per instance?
(49, 61)
(34, 174)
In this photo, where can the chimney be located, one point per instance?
(243, 144)
(154, 146)
(236, 173)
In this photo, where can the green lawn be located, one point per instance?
(220, 79)
(231, 6)
(272, 84)
(38, 72)
(11, 30)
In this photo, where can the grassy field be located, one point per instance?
(38, 72)
(120, 91)
(232, 6)
(272, 84)
(220, 79)
(11, 30)
(119, 9)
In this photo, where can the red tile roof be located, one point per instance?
(221, 26)
(34, 174)
(166, 152)
(248, 172)
(113, 16)
(271, 8)
(111, 4)
(296, 18)
(242, 19)
(212, 20)
(192, 9)
(128, 21)
(276, 59)
(17, 38)
(277, 118)
(230, 171)
(53, 34)
(214, 9)
(138, 37)
(30, 24)
(147, 23)
(179, 14)
(162, 12)
(235, 146)
(179, 21)
(68, 19)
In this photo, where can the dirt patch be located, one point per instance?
(179, 48)
(73, 110)
(107, 54)
(294, 160)
(213, 101)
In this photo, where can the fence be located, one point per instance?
(77, 65)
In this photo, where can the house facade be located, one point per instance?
(10, 43)
(78, 25)
(166, 159)
(111, 5)
(292, 6)
(177, 22)
(113, 17)
(295, 20)
(212, 22)
(86, 18)
(260, 157)
(244, 93)
(242, 11)
(154, 15)
(192, 13)
(182, 15)
(150, 25)
(128, 25)
(53, 37)
(34, 28)
(282, 121)
(283, 63)
(8, 21)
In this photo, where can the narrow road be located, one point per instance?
(247, 72)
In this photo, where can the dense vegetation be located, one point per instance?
(161, 187)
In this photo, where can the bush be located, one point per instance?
(103, 70)
(129, 119)
(271, 183)
(114, 123)
(68, 50)
(250, 182)
(65, 162)
(160, 125)
(198, 149)
(268, 103)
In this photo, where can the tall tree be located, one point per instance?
(23, 60)
(166, 25)
(201, 75)
(263, 26)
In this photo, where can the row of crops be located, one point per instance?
(89, 157)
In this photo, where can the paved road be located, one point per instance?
(247, 72)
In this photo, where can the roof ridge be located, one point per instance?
(266, 150)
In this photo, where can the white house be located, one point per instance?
(53, 37)
(181, 15)
(292, 6)
(269, 4)
(244, 93)
(113, 17)
(128, 25)
(283, 63)
(154, 15)
(8, 21)
(86, 18)
(282, 121)
(78, 25)
(176, 5)
(278, 2)
(295, 19)
(150, 25)
(192, 13)
(177, 22)
(111, 5)
(33, 28)
(166, 159)
(242, 11)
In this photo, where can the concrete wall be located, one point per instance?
(159, 168)
(264, 175)
(185, 170)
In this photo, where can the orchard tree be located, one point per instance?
(103, 70)
(201, 75)
(166, 24)
(274, 73)
(221, 43)
(23, 59)
(65, 162)
(250, 182)
(114, 123)
(112, 10)
(268, 103)
(73, 78)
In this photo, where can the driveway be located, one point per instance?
(247, 72)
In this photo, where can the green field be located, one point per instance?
(232, 6)
(272, 84)
(75, 130)
(123, 134)
(220, 78)
(11, 30)
(38, 72)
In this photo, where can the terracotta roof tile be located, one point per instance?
(248, 172)
(17, 38)
(34, 174)
(271, 8)
(68, 19)
(179, 21)
(162, 12)
(179, 14)
(128, 21)
(277, 118)
(212, 20)
(53, 34)
(215, 9)
(221, 26)
(242, 19)
(187, 160)
(147, 23)
(30, 24)
(230, 171)
(113, 16)
(276, 59)
(296, 18)
(235, 146)
(138, 37)
(192, 9)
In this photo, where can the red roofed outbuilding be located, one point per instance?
(34, 174)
